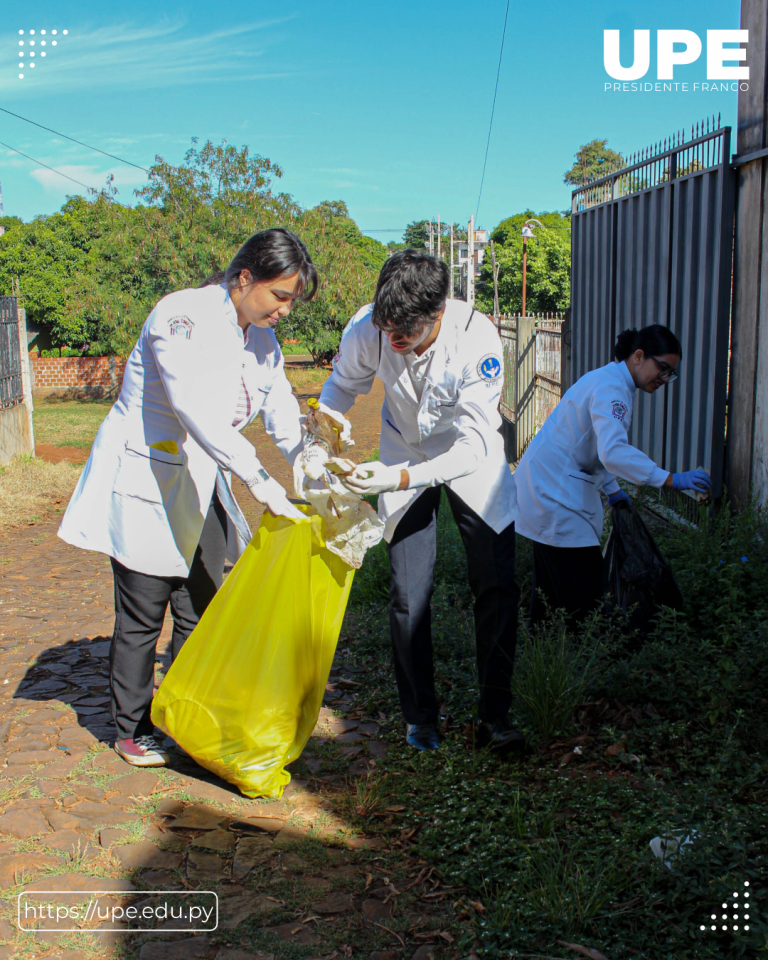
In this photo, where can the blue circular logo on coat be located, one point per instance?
(489, 368)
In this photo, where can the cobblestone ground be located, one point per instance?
(293, 878)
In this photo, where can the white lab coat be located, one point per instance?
(459, 406)
(168, 441)
(578, 452)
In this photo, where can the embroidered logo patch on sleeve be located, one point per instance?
(489, 368)
(181, 327)
(619, 409)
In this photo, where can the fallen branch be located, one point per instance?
(402, 942)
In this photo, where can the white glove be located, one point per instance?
(271, 494)
(345, 435)
(375, 477)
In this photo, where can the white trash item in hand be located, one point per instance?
(665, 848)
(351, 524)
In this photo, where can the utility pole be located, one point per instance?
(431, 240)
(525, 270)
(471, 262)
(439, 244)
(450, 294)
(496, 311)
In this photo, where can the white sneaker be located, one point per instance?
(142, 752)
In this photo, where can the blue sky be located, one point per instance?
(382, 104)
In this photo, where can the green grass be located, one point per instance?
(555, 845)
(64, 423)
(294, 349)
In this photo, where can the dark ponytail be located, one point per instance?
(269, 255)
(654, 341)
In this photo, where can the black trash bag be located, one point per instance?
(640, 580)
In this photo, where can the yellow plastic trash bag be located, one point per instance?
(245, 691)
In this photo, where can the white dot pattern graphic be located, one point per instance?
(42, 43)
(736, 917)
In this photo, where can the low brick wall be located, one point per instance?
(76, 376)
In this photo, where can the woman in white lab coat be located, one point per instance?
(578, 453)
(155, 494)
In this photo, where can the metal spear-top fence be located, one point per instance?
(11, 388)
(669, 159)
(531, 348)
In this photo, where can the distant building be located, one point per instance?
(482, 242)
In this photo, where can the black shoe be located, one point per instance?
(499, 735)
(423, 736)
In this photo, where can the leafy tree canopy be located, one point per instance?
(549, 265)
(93, 272)
(593, 160)
(416, 235)
(512, 228)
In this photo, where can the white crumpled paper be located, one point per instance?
(352, 526)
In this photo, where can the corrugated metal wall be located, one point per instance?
(660, 252)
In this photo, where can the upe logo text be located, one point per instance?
(688, 50)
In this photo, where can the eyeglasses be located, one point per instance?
(666, 372)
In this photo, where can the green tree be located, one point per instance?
(549, 265)
(93, 272)
(593, 160)
(416, 235)
(45, 255)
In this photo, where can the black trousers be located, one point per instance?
(491, 566)
(140, 604)
(570, 578)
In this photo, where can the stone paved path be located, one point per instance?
(294, 878)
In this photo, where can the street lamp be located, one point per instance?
(527, 234)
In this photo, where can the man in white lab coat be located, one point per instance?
(440, 362)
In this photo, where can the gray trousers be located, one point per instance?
(491, 569)
(140, 604)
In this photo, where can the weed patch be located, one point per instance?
(30, 489)
(630, 739)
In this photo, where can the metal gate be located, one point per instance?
(531, 356)
(11, 389)
(652, 242)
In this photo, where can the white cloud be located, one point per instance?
(159, 55)
(125, 180)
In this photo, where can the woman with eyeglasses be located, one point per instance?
(579, 452)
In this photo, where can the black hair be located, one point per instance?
(411, 291)
(271, 254)
(653, 340)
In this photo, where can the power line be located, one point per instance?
(40, 162)
(80, 142)
(490, 126)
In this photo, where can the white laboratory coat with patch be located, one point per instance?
(580, 450)
(169, 441)
(458, 409)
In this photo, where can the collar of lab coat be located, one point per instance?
(627, 376)
(436, 366)
(230, 312)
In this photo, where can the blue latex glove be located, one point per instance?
(698, 480)
(619, 497)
